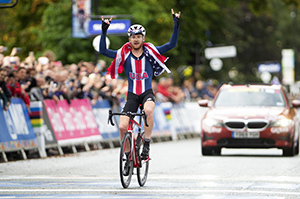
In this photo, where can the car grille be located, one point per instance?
(235, 125)
(246, 125)
(248, 143)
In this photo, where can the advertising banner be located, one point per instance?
(195, 113)
(269, 67)
(16, 129)
(36, 116)
(37, 122)
(288, 66)
(162, 115)
(5, 1)
(81, 15)
(119, 26)
(74, 123)
(47, 130)
(83, 117)
(181, 119)
(100, 111)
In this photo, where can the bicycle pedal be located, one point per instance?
(147, 159)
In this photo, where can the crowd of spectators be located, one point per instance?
(39, 78)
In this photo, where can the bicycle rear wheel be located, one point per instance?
(125, 171)
(142, 170)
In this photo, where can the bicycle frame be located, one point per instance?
(136, 142)
(136, 162)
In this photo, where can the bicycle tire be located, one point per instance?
(142, 170)
(125, 179)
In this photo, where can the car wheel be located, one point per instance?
(211, 151)
(289, 151)
(293, 150)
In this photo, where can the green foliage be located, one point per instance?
(259, 29)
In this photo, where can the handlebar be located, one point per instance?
(129, 114)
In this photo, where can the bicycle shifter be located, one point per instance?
(145, 118)
(110, 118)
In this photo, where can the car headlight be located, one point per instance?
(212, 122)
(283, 122)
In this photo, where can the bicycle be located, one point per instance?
(133, 145)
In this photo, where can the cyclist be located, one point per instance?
(140, 60)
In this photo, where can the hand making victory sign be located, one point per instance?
(175, 14)
(106, 22)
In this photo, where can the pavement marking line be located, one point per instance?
(159, 177)
(56, 196)
(155, 191)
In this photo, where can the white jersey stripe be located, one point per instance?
(134, 72)
(143, 69)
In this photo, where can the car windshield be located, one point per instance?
(250, 97)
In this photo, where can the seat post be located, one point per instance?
(141, 109)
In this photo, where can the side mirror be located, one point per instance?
(296, 103)
(203, 103)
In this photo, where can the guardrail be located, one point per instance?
(57, 128)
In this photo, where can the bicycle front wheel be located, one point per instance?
(125, 164)
(142, 170)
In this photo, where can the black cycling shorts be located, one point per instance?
(134, 101)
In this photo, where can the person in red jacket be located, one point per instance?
(16, 90)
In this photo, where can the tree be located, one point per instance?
(259, 29)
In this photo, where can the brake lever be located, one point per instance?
(145, 118)
(110, 118)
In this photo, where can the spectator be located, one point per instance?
(16, 90)
(31, 80)
(110, 90)
(12, 61)
(212, 88)
(61, 93)
(1, 59)
(101, 64)
(4, 100)
(8, 71)
(22, 77)
(167, 92)
(47, 78)
(36, 92)
(162, 90)
(188, 89)
(177, 95)
(154, 87)
(201, 91)
(4, 90)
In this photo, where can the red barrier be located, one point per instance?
(74, 123)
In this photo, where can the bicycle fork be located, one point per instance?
(133, 155)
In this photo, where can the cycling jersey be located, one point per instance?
(139, 71)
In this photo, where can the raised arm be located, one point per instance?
(173, 41)
(102, 48)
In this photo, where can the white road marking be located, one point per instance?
(291, 179)
(153, 191)
(205, 186)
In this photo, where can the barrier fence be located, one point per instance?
(51, 124)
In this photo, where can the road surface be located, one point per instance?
(177, 170)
